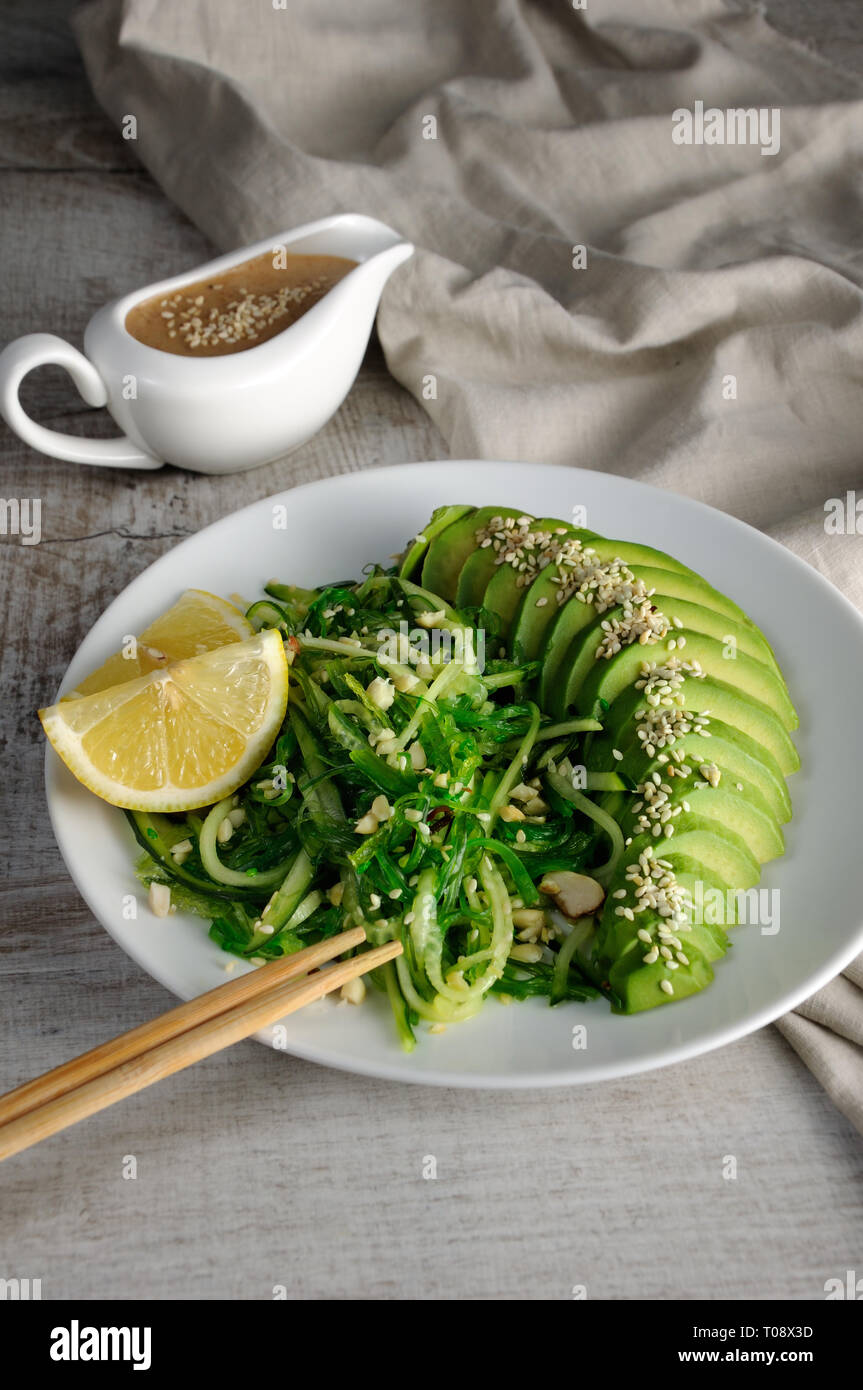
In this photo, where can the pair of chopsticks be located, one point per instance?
(178, 1038)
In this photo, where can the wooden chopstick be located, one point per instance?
(177, 1039)
(172, 1023)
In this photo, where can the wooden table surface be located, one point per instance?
(254, 1170)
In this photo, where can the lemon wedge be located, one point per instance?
(197, 623)
(179, 737)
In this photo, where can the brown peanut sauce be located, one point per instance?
(239, 308)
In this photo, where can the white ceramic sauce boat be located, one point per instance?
(216, 414)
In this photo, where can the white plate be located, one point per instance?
(339, 525)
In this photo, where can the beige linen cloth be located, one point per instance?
(503, 135)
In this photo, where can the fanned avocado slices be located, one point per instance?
(736, 754)
(442, 518)
(723, 802)
(450, 550)
(687, 601)
(590, 677)
(696, 718)
(484, 582)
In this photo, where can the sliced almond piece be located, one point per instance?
(576, 895)
(522, 793)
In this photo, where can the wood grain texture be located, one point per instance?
(153, 1058)
(255, 1170)
(87, 1066)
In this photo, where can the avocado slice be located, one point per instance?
(636, 555)
(624, 958)
(440, 519)
(636, 981)
(574, 618)
(565, 668)
(706, 859)
(702, 851)
(762, 737)
(476, 572)
(450, 549)
(740, 758)
(718, 909)
(718, 847)
(616, 936)
(728, 631)
(589, 678)
(485, 566)
(639, 986)
(726, 703)
(503, 593)
(744, 810)
(540, 609)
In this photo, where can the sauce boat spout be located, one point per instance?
(380, 267)
(377, 248)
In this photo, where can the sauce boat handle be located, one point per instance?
(39, 349)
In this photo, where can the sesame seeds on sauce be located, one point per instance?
(243, 307)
